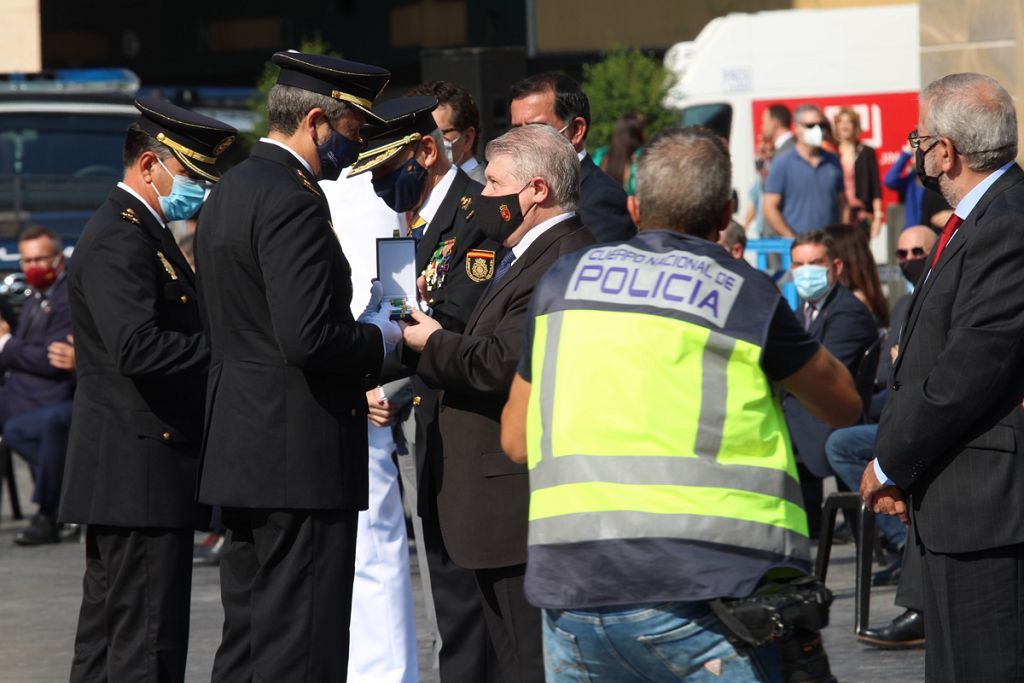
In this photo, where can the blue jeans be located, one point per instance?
(680, 641)
(849, 451)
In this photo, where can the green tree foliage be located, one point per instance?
(314, 45)
(626, 80)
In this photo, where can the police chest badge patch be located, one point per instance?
(439, 264)
(480, 265)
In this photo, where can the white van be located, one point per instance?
(740, 64)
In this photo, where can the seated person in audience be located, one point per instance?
(844, 326)
(734, 239)
(32, 382)
(41, 437)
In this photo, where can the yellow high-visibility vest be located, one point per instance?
(650, 424)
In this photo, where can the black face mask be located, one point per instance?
(498, 217)
(913, 269)
(930, 182)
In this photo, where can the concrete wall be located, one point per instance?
(986, 36)
(588, 25)
(20, 45)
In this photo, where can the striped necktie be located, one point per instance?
(416, 226)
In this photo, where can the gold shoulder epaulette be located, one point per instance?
(129, 215)
(306, 182)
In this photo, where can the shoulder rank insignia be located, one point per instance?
(167, 265)
(465, 203)
(480, 265)
(129, 215)
(306, 182)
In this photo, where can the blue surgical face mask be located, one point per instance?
(336, 153)
(184, 199)
(402, 188)
(811, 282)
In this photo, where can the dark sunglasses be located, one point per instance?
(916, 252)
(815, 124)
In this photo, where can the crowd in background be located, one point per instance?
(816, 182)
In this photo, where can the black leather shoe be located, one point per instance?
(69, 532)
(902, 633)
(889, 576)
(42, 530)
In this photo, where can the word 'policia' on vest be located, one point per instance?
(679, 281)
(695, 452)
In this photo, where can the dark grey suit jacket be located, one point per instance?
(952, 433)
(845, 327)
(482, 495)
(603, 204)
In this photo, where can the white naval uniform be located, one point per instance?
(383, 623)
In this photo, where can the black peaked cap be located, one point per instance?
(194, 139)
(350, 82)
(406, 120)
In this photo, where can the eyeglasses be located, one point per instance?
(812, 124)
(916, 252)
(914, 140)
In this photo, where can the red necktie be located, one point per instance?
(952, 224)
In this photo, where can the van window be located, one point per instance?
(717, 117)
(57, 168)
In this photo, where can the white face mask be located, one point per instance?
(812, 137)
(448, 148)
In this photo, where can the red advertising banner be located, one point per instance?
(885, 119)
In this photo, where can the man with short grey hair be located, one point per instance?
(650, 498)
(950, 443)
(528, 206)
(285, 445)
(734, 239)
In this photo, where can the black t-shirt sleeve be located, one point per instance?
(789, 345)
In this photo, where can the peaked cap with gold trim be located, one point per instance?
(194, 139)
(350, 82)
(407, 120)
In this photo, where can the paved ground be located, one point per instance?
(41, 589)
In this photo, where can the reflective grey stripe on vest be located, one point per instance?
(661, 470)
(714, 389)
(626, 524)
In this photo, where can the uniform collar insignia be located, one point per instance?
(465, 202)
(167, 265)
(129, 215)
(306, 182)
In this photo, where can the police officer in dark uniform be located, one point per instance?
(456, 262)
(138, 411)
(285, 449)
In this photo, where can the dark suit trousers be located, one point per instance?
(466, 652)
(133, 625)
(974, 615)
(41, 437)
(513, 623)
(286, 586)
(910, 593)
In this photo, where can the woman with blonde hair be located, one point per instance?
(863, 188)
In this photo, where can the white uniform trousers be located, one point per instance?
(383, 624)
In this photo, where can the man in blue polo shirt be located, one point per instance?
(804, 189)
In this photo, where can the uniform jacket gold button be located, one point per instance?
(352, 412)
(416, 400)
(184, 299)
(167, 436)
